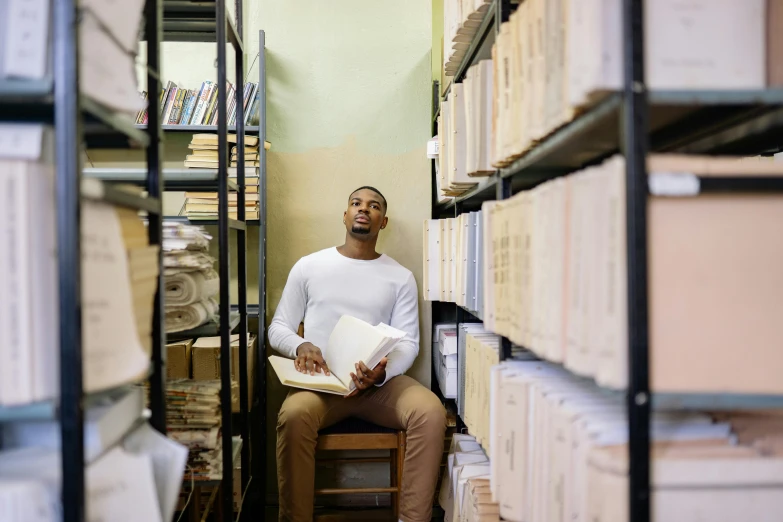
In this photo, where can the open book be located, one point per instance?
(351, 341)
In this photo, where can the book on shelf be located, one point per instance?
(182, 106)
(351, 341)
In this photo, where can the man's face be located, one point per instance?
(366, 213)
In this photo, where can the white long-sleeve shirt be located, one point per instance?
(326, 285)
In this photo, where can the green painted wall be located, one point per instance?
(349, 104)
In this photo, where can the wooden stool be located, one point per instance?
(355, 434)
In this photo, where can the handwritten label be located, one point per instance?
(21, 141)
(26, 41)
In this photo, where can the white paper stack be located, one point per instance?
(555, 275)
(444, 358)
(453, 261)
(461, 20)
(117, 297)
(562, 454)
(553, 59)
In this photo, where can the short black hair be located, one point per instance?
(368, 187)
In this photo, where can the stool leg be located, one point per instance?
(400, 461)
(394, 482)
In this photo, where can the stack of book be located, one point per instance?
(191, 282)
(204, 205)
(204, 151)
(193, 419)
(180, 106)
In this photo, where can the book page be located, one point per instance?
(351, 341)
(289, 376)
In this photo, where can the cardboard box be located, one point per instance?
(206, 364)
(178, 356)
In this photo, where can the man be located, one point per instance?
(353, 279)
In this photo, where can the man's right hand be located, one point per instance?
(310, 360)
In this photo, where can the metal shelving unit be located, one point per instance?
(197, 28)
(77, 120)
(633, 121)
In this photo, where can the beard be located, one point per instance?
(358, 229)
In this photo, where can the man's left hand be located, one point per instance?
(364, 378)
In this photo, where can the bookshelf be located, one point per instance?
(635, 121)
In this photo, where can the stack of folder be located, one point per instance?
(454, 261)
(193, 419)
(556, 277)
(554, 59)
(204, 151)
(559, 451)
(461, 20)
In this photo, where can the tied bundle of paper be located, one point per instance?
(193, 419)
(204, 205)
(204, 151)
(190, 281)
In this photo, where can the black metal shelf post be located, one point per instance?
(260, 467)
(634, 131)
(68, 132)
(152, 21)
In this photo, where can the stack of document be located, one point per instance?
(461, 20)
(193, 419)
(144, 271)
(191, 282)
(453, 144)
(109, 38)
(556, 279)
(444, 358)
(477, 97)
(137, 479)
(560, 452)
(553, 59)
(481, 353)
(454, 261)
(119, 282)
(463, 488)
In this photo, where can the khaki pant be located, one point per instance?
(401, 403)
